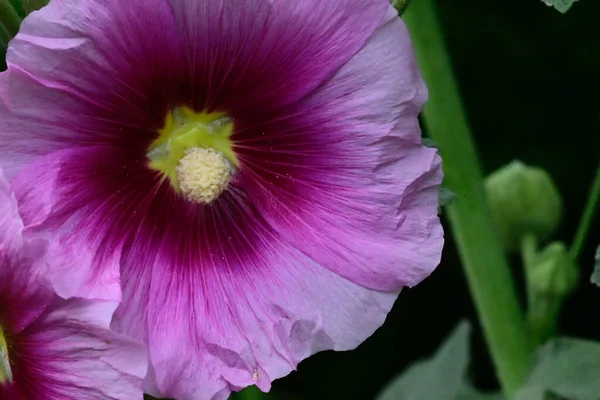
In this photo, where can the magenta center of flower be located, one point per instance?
(194, 151)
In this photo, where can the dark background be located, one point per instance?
(530, 79)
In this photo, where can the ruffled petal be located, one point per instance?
(343, 176)
(58, 349)
(70, 354)
(226, 321)
(24, 292)
(21, 264)
(56, 205)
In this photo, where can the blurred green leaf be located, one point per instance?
(596, 273)
(9, 18)
(32, 5)
(443, 377)
(561, 5)
(566, 369)
(250, 393)
(18, 6)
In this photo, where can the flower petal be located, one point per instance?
(80, 72)
(10, 221)
(58, 349)
(21, 263)
(70, 354)
(343, 175)
(257, 56)
(107, 72)
(223, 322)
(55, 204)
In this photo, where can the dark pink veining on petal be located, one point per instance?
(332, 212)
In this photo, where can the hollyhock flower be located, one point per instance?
(52, 348)
(250, 171)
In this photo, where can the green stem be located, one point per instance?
(483, 259)
(528, 249)
(9, 18)
(542, 318)
(587, 217)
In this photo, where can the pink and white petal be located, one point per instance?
(70, 354)
(347, 180)
(80, 71)
(53, 201)
(227, 321)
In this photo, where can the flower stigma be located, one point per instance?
(5, 371)
(194, 151)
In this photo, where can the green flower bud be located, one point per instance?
(551, 276)
(400, 5)
(523, 200)
(552, 272)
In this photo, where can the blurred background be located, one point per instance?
(530, 80)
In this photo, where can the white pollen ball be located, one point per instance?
(203, 174)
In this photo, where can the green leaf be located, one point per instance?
(18, 6)
(566, 369)
(442, 377)
(250, 393)
(596, 273)
(32, 5)
(561, 5)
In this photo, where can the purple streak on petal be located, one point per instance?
(252, 57)
(332, 173)
(240, 317)
(69, 353)
(107, 72)
(20, 264)
(71, 209)
(343, 175)
(86, 73)
(58, 349)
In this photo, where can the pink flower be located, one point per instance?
(52, 348)
(249, 171)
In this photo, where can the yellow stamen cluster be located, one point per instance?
(195, 153)
(203, 174)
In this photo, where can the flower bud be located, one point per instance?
(523, 200)
(551, 276)
(552, 272)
